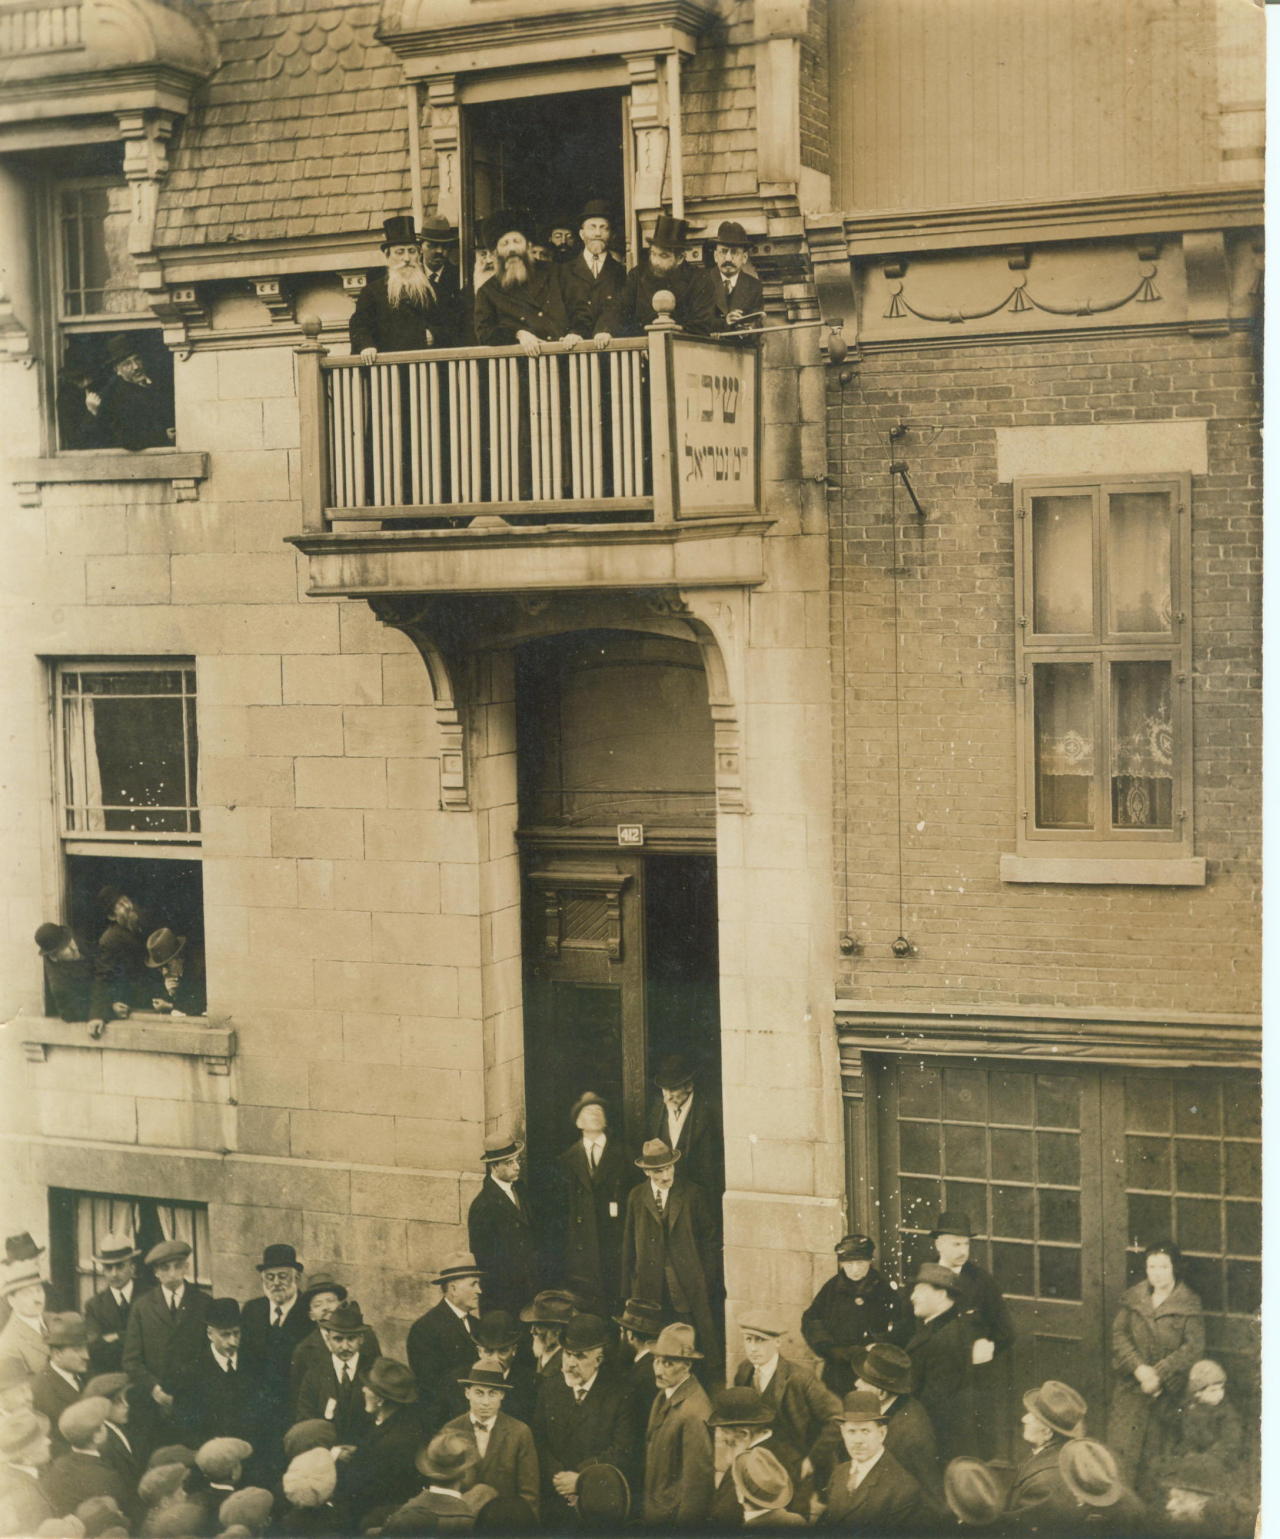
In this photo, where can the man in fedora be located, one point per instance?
(1102, 1502)
(856, 1306)
(581, 1416)
(107, 1312)
(870, 1492)
(121, 980)
(640, 1324)
(1053, 1415)
(805, 1412)
(595, 1177)
(439, 245)
(60, 1382)
(679, 1468)
(669, 1249)
(441, 1342)
(320, 1296)
(332, 1390)
(271, 1327)
(500, 1340)
(974, 1495)
(505, 1455)
(380, 1474)
(885, 1370)
(180, 988)
(136, 413)
(407, 308)
(24, 1338)
(164, 1331)
(521, 305)
(68, 972)
(593, 279)
(740, 1420)
(738, 295)
(500, 1229)
(547, 1315)
(25, 1452)
(210, 1393)
(940, 1360)
(764, 1491)
(451, 1498)
(686, 1119)
(663, 267)
(981, 1305)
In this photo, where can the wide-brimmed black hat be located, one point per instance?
(505, 220)
(952, 1222)
(123, 345)
(347, 1318)
(550, 1307)
(672, 234)
(584, 1333)
(595, 208)
(21, 1247)
(641, 1316)
(886, 1366)
(393, 1381)
(740, 1405)
(731, 233)
(275, 1256)
(603, 1495)
(673, 1071)
(109, 896)
(398, 231)
(495, 1331)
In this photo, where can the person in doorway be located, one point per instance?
(408, 308)
(500, 1229)
(439, 246)
(522, 304)
(107, 1312)
(136, 413)
(857, 1306)
(980, 1304)
(685, 1118)
(595, 1177)
(664, 267)
(940, 1360)
(737, 295)
(593, 280)
(68, 972)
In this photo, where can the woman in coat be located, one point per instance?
(1157, 1335)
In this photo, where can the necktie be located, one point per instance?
(231, 1364)
(579, 1394)
(758, 1377)
(173, 1303)
(346, 1374)
(662, 1199)
(277, 1316)
(466, 1320)
(595, 1155)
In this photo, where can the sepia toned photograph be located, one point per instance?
(631, 784)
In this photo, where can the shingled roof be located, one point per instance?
(300, 132)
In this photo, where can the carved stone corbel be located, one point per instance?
(146, 134)
(1204, 253)
(354, 281)
(180, 307)
(833, 274)
(273, 293)
(444, 117)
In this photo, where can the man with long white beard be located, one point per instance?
(408, 308)
(522, 303)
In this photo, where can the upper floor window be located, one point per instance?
(1104, 667)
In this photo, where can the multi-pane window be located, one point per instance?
(80, 1220)
(1104, 667)
(98, 275)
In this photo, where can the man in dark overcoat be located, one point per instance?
(441, 1342)
(68, 972)
(177, 970)
(521, 305)
(871, 1493)
(805, 1413)
(409, 307)
(81, 1472)
(669, 1248)
(736, 294)
(679, 1466)
(596, 1176)
(60, 1383)
(121, 981)
(886, 1370)
(321, 1295)
(500, 1229)
(136, 413)
(664, 267)
(332, 1390)
(271, 1326)
(593, 279)
(1039, 1498)
(741, 1420)
(940, 1361)
(641, 1324)
(856, 1306)
(581, 1417)
(107, 1312)
(981, 1305)
(381, 1475)
(210, 1393)
(166, 1328)
(687, 1119)
(121, 1450)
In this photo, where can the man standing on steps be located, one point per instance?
(500, 1228)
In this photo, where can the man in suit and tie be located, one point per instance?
(210, 1394)
(441, 1342)
(500, 1230)
(24, 1337)
(592, 280)
(738, 295)
(332, 1390)
(581, 1418)
(60, 1382)
(596, 1176)
(270, 1329)
(500, 1339)
(886, 1369)
(941, 1360)
(107, 1312)
(165, 1327)
(663, 267)
(806, 1413)
(321, 1295)
(24, 1455)
(505, 1455)
(669, 1246)
(871, 1492)
(679, 1469)
(686, 1119)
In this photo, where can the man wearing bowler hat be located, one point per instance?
(165, 1330)
(871, 1493)
(210, 1392)
(679, 1467)
(411, 306)
(595, 1177)
(441, 1342)
(60, 1382)
(500, 1229)
(521, 305)
(136, 413)
(980, 1304)
(593, 280)
(505, 1455)
(271, 1327)
(1053, 1415)
(856, 1306)
(503, 1344)
(940, 1361)
(68, 972)
(686, 1119)
(581, 1417)
(380, 1474)
(669, 1249)
(663, 267)
(738, 295)
(107, 1312)
(805, 1411)
(320, 1296)
(332, 1390)
(886, 1371)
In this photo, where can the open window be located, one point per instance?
(78, 1222)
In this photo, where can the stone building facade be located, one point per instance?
(419, 745)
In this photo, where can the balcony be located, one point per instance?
(484, 470)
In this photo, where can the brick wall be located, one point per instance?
(981, 941)
(815, 113)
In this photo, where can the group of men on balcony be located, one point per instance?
(518, 299)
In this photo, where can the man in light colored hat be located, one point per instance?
(871, 1492)
(1104, 1504)
(764, 1491)
(380, 1474)
(940, 1361)
(1053, 1414)
(595, 1178)
(451, 1497)
(980, 1304)
(166, 1325)
(736, 292)
(82, 1472)
(521, 305)
(60, 1382)
(107, 1312)
(118, 1450)
(499, 1339)
(333, 1390)
(856, 1306)
(669, 1251)
(581, 1416)
(679, 1465)
(505, 1455)
(805, 1412)
(886, 1371)
(24, 1454)
(501, 1231)
(974, 1496)
(441, 1342)
(25, 1335)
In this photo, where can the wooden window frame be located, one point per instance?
(1103, 842)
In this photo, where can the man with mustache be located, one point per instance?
(411, 306)
(135, 413)
(664, 267)
(522, 303)
(121, 982)
(593, 280)
(738, 295)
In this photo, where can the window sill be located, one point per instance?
(184, 470)
(1104, 871)
(211, 1038)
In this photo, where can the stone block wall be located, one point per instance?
(981, 941)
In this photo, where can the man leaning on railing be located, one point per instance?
(408, 308)
(521, 305)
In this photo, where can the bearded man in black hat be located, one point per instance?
(411, 307)
(270, 1329)
(522, 303)
(122, 982)
(737, 294)
(593, 279)
(664, 267)
(856, 1306)
(135, 413)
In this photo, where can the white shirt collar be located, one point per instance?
(174, 1293)
(33, 1323)
(339, 1367)
(92, 1453)
(766, 1372)
(678, 1116)
(750, 1514)
(864, 1469)
(462, 1314)
(284, 1309)
(590, 1139)
(506, 1186)
(584, 1388)
(225, 1359)
(445, 1491)
(69, 1377)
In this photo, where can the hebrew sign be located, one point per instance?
(715, 410)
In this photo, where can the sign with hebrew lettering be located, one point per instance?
(715, 410)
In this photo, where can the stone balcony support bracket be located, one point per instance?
(213, 1042)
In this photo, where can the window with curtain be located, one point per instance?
(79, 1220)
(1104, 666)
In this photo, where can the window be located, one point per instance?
(79, 1220)
(1104, 668)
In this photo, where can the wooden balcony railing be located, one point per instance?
(650, 429)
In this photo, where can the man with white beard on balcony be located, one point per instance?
(521, 305)
(409, 308)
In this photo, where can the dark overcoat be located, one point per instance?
(671, 1256)
(591, 303)
(51, 1395)
(135, 416)
(376, 322)
(322, 1398)
(679, 1468)
(439, 1347)
(570, 1436)
(941, 1356)
(536, 305)
(888, 1500)
(311, 1351)
(1039, 1499)
(510, 1462)
(381, 1474)
(910, 1438)
(726, 1509)
(107, 1320)
(701, 1145)
(68, 985)
(209, 1402)
(594, 1203)
(156, 1346)
(266, 1354)
(805, 1413)
(845, 1316)
(695, 312)
(502, 1241)
(1168, 1338)
(76, 1476)
(120, 972)
(123, 1453)
(435, 1512)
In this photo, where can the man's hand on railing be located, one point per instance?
(571, 339)
(369, 355)
(602, 339)
(529, 343)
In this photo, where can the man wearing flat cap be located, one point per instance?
(505, 1455)
(663, 267)
(24, 1455)
(669, 1247)
(441, 1342)
(940, 1360)
(980, 1304)
(500, 1229)
(738, 295)
(871, 1493)
(805, 1412)
(595, 1178)
(164, 1331)
(687, 1119)
(581, 1417)
(107, 1312)
(593, 280)
(521, 305)
(118, 1449)
(80, 1473)
(411, 306)
(885, 1370)
(60, 1382)
(856, 1306)
(501, 1341)
(741, 1420)
(679, 1466)
(333, 1390)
